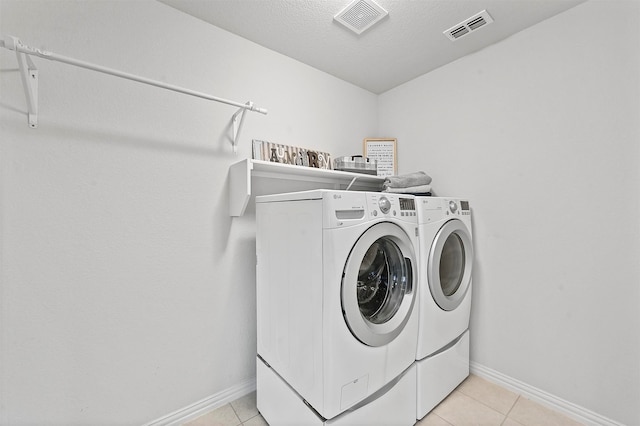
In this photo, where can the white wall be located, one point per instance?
(542, 133)
(127, 292)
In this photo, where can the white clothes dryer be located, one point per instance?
(336, 307)
(446, 262)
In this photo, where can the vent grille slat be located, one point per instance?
(459, 32)
(478, 20)
(476, 23)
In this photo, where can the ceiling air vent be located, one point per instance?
(360, 15)
(478, 20)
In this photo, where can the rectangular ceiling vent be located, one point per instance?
(478, 20)
(360, 15)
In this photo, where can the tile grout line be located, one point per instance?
(512, 407)
(514, 404)
(253, 417)
(447, 422)
(488, 406)
(236, 413)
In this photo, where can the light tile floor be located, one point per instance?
(475, 402)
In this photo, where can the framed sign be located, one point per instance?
(384, 151)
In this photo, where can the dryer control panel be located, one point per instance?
(431, 209)
(459, 207)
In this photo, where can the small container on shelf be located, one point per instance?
(356, 164)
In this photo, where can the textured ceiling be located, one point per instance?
(406, 44)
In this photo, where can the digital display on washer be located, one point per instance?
(464, 205)
(407, 204)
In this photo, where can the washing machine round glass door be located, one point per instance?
(378, 284)
(449, 265)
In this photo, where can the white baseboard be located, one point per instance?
(567, 408)
(205, 405)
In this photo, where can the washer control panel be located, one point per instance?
(392, 205)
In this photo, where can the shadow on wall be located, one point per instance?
(222, 221)
(220, 155)
(114, 138)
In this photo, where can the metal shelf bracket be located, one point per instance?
(237, 121)
(29, 76)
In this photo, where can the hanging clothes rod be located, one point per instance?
(30, 79)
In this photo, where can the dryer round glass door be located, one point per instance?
(377, 284)
(449, 265)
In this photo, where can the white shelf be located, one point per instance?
(241, 174)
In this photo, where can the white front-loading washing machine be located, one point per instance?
(337, 317)
(446, 262)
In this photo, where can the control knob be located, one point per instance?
(384, 204)
(453, 206)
